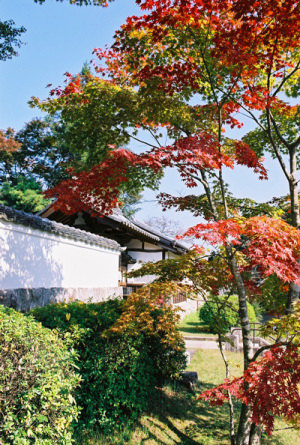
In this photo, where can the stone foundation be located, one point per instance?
(25, 299)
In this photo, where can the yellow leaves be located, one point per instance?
(241, 259)
(68, 316)
(137, 33)
(149, 311)
(286, 327)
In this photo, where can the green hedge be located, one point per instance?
(37, 382)
(220, 313)
(119, 370)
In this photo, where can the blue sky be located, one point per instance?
(61, 37)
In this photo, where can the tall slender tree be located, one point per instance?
(232, 56)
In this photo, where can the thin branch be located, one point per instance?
(154, 137)
(287, 428)
(140, 140)
(285, 79)
(266, 347)
(277, 131)
(274, 145)
(249, 113)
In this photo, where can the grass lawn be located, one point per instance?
(177, 417)
(190, 325)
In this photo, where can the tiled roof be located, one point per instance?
(118, 216)
(139, 229)
(163, 238)
(36, 222)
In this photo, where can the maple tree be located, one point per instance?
(41, 153)
(232, 56)
(8, 147)
(31, 159)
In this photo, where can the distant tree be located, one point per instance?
(9, 39)
(44, 153)
(9, 146)
(165, 225)
(26, 195)
(30, 160)
(130, 203)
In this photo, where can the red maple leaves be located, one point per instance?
(253, 40)
(7, 142)
(268, 386)
(99, 187)
(270, 245)
(190, 155)
(96, 189)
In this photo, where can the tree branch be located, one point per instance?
(274, 145)
(285, 79)
(265, 348)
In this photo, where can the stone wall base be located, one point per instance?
(25, 299)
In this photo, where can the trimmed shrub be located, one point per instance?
(124, 381)
(37, 382)
(220, 313)
(119, 367)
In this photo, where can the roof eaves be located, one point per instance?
(140, 231)
(163, 239)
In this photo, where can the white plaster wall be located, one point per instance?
(134, 244)
(143, 257)
(31, 258)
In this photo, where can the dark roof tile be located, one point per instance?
(45, 225)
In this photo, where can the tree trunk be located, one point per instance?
(243, 311)
(244, 436)
(294, 290)
(255, 434)
(293, 295)
(231, 407)
(293, 186)
(244, 429)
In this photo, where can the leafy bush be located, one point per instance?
(148, 313)
(166, 346)
(119, 367)
(124, 380)
(220, 313)
(37, 380)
